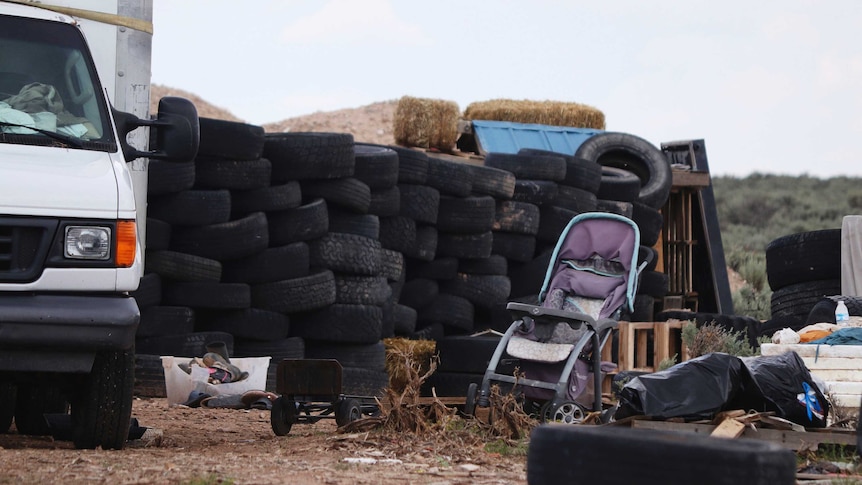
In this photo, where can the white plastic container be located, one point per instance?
(842, 315)
(179, 384)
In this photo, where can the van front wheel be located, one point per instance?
(102, 403)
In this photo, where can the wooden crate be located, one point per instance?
(634, 348)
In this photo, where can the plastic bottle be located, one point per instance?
(842, 316)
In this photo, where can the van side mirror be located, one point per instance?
(177, 131)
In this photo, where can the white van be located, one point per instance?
(70, 240)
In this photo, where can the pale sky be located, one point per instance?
(770, 86)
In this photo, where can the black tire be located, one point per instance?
(442, 268)
(235, 239)
(159, 320)
(578, 200)
(495, 182)
(404, 319)
(805, 256)
(158, 234)
(230, 139)
(149, 291)
(191, 207)
(466, 214)
(385, 202)
(412, 165)
(367, 225)
(398, 233)
(391, 265)
(215, 173)
(649, 222)
(179, 266)
(278, 350)
(149, 376)
(347, 193)
(474, 246)
(419, 292)
(102, 402)
(624, 209)
(580, 173)
(653, 283)
(586, 454)
(513, 246)
(317, 290)
(346, 253)
(492, 265)
(538, 192)
(552, 221)
(304, 223)
(471, 354)
(164, 177)
(361, 290)
(282, 416)
(363, 382)
(449, 177)
(265, 199)
(271, 264)
(420, 203)
(527, 278)
(619, 184)
(798, 299)
(341, 323)
(632, 153)
(206, 294)
(450, 384)
(451, 311)
(346, 411)
(375, 165)
(365, 356)
(33, 401)
(514, 216)
(253, 324)
(481, 290)
(470, 399)
(528, 166)
(305, 156)
(192, 344)
(425, 246)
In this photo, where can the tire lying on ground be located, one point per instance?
(805, 256)
(590, 454)
(638, 156)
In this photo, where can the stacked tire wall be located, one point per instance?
(312, 245)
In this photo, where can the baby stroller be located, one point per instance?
(592, 275)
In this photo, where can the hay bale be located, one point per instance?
(402, 355)
(554, 113)
(426, 123)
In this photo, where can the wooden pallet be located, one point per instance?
(634, 339)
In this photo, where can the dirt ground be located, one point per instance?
(212, 446)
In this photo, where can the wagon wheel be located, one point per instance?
(567, 412)
(470, 401)
(282, 416)
(347, 410)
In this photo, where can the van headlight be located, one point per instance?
(88, 242)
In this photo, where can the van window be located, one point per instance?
(48, 82)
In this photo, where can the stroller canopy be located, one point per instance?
(596, 257)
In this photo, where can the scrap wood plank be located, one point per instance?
(728, 428)
(793, 440)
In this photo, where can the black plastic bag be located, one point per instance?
(787, 388)
(696, 388)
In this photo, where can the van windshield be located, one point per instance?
(48, 82)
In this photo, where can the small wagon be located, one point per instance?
(310, 390)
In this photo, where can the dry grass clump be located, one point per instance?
(426, 123)
(712, 337)
(556, 113)
(402, 354)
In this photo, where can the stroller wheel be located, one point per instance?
(567, 412)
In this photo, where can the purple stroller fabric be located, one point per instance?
(601, 246)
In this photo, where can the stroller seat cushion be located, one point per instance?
(562, 300)
(522, 348)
